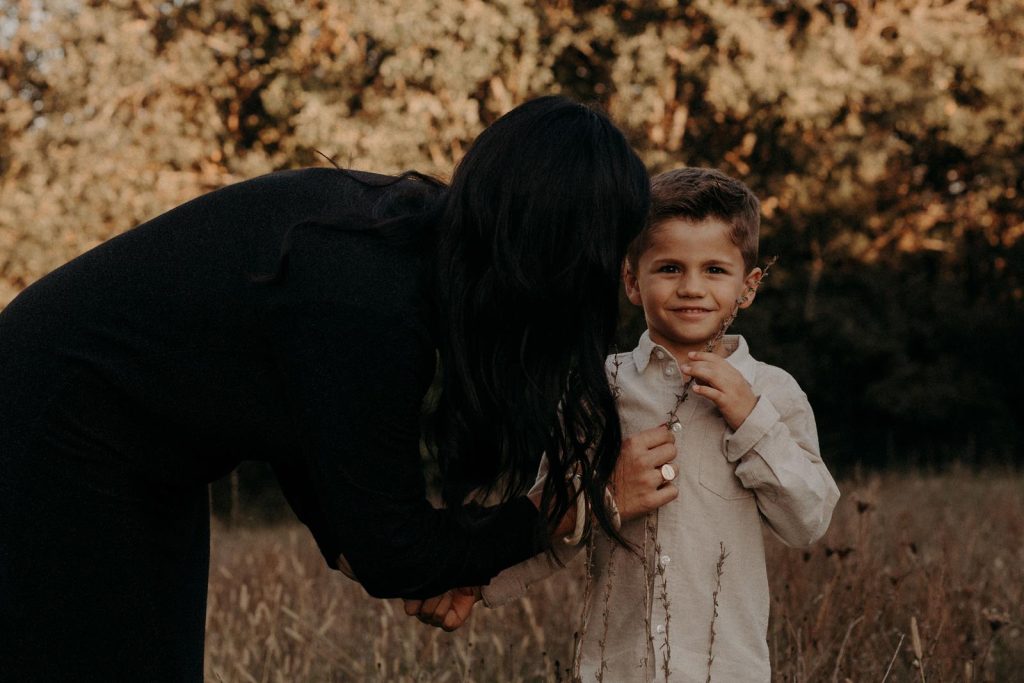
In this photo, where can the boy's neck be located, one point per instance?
(679, 351)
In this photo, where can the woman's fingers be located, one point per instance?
(662, 454)
(651, 438)
(436, 618)
(666, 494)
(430, 608)
(448, 611)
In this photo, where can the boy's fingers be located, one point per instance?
(462, 607)
(704, 356)
(705, 372)
(699, 368)
(412, 607)
(427, 606)
(708, 392)
(442, 609)
(452, 621)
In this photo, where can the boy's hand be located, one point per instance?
(722, 384)
(447, 611)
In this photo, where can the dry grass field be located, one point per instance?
(920, 578)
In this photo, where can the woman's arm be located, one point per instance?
(346, 329)
(637, 481)
(354, 378)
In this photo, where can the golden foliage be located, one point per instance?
(867, 129)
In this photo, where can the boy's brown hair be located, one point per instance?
(694, 194)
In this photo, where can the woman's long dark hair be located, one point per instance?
(529, 236)
(530, 242)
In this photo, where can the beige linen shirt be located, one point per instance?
(769, 470)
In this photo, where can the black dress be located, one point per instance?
(151, 365)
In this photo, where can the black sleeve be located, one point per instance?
(355, 371)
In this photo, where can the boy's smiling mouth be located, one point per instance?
(691, 312)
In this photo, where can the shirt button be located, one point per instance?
(665, 559)
(660, 628)
(677, 427)
(659, 354)
(670, 370)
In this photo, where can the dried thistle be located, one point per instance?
(614, 383)
(588, 587)
(650, 532)
(714, 599)
(666, 647)
(605, 614)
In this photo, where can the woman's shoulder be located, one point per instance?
(319, 179)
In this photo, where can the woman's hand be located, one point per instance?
(447, 611)
(637, 483)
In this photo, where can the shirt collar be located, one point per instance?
(739, 354)
(642, 353)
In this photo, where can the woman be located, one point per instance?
(298, 318)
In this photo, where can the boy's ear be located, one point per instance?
(750, 287)
(630, 282)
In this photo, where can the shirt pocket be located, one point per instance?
(718, 475)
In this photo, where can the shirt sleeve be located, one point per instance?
(777, 456)
(354, 371)
(513, 583)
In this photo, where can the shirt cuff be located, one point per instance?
(502, 590)
(758, 423)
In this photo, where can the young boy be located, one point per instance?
(748, 452)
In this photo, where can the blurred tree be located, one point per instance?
(884, 138)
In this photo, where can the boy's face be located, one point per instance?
(687, 282)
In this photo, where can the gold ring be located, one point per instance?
(668, 473)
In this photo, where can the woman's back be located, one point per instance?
(157, 343)
(154, 363)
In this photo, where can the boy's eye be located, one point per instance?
(717, 270)
(668, 268)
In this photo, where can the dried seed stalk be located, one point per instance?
(650, 532)
(588, 587)
(605, 614)
(666, 647)
(714, 598)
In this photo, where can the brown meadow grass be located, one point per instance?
(920, 578)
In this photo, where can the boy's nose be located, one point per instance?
(690, 286)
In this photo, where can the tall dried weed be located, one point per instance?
(941, 551)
